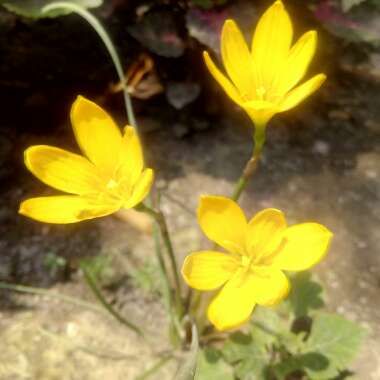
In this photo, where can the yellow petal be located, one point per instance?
(269, 286)
(265, 232)
(237, 59)
(301, 92)
(297, 62)
(141, 189)
(223, 222)
(271, 42)
(228, 87)
(63, 170)
(131, 157)
(97, 134)
(65, 209)
(260, 111)
(304, 246)
(208, 270)
(233, 305)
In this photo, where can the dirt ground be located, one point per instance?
(321, 162)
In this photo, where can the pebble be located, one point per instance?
(321, 147)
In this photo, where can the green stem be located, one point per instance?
(251, 165)
(48, 293)
(168, 294)
(89, 277)
(155, 367)
(239, 188)
(159, 217)
(161, 263)
(98, 27)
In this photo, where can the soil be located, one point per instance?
(321, 162)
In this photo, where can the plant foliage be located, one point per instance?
(33, 8)
(294, 341)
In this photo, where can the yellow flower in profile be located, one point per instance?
(258, 252)
(111, 176)
(263, 80)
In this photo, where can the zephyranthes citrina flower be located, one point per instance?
(258, 251)
(109, 176)
(263, 80)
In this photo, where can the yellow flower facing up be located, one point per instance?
(109, 176)
(263, 80)
(258, 252)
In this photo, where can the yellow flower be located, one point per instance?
(258, 252)
(109, 178)
(262, 81)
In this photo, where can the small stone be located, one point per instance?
(361, 244)
(363, 300)
(161, 184)
(372, 125)
(341, 310)
(72, 329)
(159, 31)
(180, 130)
(321, 147)
(180, 94)
(339, 115)
(334, 285)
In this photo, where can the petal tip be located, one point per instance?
(79, 101)
(21, 209)
(229, 23)
(279, 3)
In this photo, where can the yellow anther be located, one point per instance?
(260, 92)
(112, 184)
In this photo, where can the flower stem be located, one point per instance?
(251, 165)
(159, 217)
(98, 27)
(91, 281)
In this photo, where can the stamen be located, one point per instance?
(260, 92)
(112, 184)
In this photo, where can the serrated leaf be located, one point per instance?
(335, 338)
(212, 366)
(348, 4)
(33, 8)
(306, 294)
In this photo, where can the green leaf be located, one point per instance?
(307, 362)
(211, 366)
(33, 8)
(348, 4)
(335, 338)
(306, 294)
(249, 356)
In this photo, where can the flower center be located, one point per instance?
(246, 262)
(112, 184)
(260, 92)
